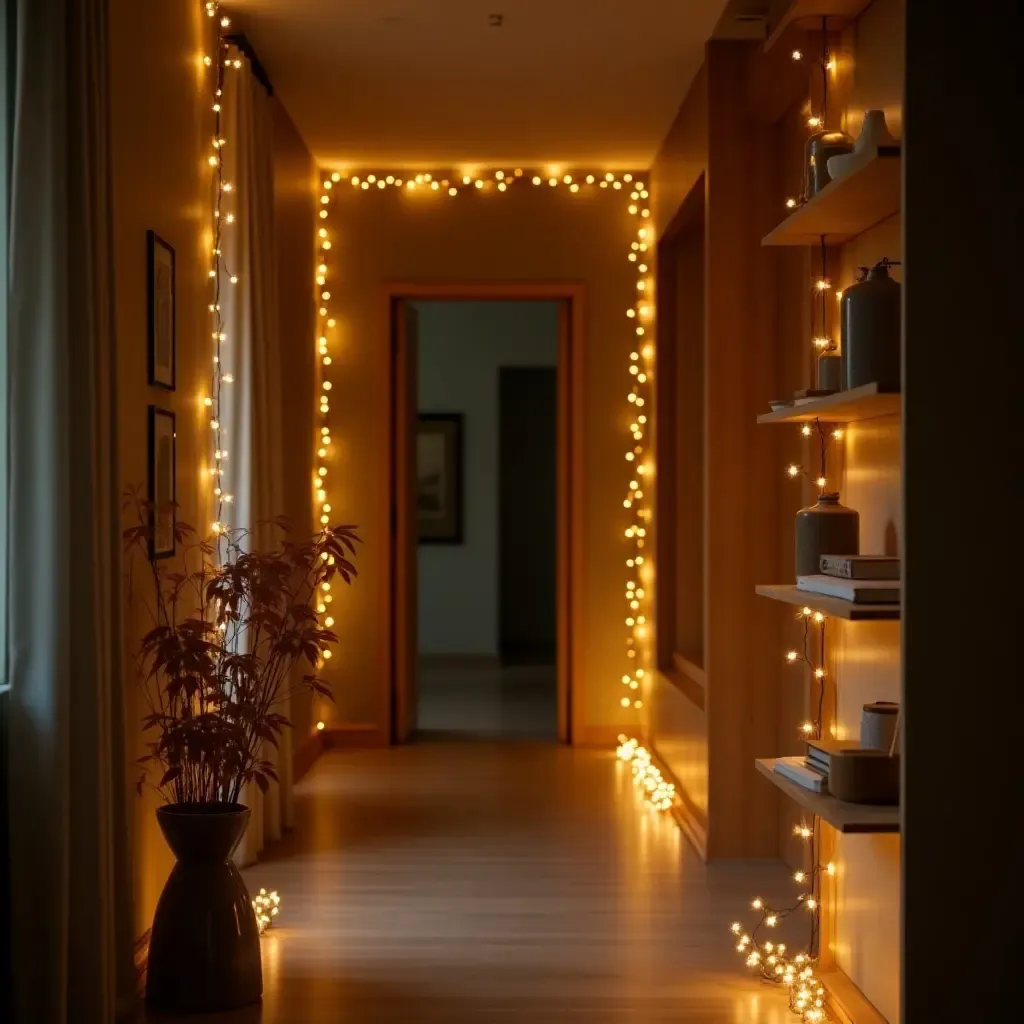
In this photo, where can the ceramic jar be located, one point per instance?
(825, 528)
(870, 318)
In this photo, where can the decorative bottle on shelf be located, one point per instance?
(870, 317)
(821, 147)
(825, 528)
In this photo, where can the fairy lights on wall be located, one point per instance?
(218, 273)
(658, 791)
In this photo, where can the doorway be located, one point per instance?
(483, 551)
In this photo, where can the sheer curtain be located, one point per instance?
(252, 405)
(71, 873)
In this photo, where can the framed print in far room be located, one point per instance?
(439, 477)
(163, 487)
(161, 312)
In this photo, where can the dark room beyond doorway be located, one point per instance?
(486, 473)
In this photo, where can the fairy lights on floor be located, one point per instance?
(640, 314)
(267, 906)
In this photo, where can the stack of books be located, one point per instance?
(811, 771)
(862, 579)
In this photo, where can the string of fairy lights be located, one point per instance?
(266, 905)
(222, 219)
(659, 792)
(772, 960)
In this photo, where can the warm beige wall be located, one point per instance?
(526, 234)
(161, 127)
(294, 217)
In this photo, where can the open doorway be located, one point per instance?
(483, 548)
(486, 471)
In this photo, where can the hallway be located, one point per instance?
(488, 882)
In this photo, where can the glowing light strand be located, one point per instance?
(218, 271)
(656, 789)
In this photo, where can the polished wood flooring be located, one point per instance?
(498, 882)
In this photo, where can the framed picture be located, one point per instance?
(439, 477)
(160, 302)
(163, 488)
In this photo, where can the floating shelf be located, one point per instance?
(833, 606)
(863, 403)
(846, 207)
(841, 816)
(808, 14)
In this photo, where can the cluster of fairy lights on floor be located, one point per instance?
(649, 779)
(266, 905)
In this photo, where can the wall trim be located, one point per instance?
(393, 652)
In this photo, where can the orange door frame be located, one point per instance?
(397, 637)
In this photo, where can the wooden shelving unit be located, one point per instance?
(807, 14)
(863, 403)
(834, 606)
(843, 817)
(846, 207)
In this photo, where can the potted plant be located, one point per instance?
(227, 627)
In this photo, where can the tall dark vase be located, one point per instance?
(204, 950)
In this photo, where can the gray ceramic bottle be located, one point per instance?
(825, 528)
(870, 315)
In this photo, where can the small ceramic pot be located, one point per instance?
(825, 528)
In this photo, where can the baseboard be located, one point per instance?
(845, 1002)
(356, 736)
(459, 662)
(305, 754)
(691, 822)
(690, 819)
(602, 737)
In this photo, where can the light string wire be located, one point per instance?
(772, 960)
(219, 270)
(266, 905)
(649, 779)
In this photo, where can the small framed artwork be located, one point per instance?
(439, 477)
(161, 312)
(163, 488)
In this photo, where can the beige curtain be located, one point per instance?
(251, 406)
(71, 872)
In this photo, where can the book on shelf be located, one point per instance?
(856, 591)
(860, 567)
(820, 752)
(796, 770)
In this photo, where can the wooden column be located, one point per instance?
(963, 453)
(741, 465)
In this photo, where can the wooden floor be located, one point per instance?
(498, 882)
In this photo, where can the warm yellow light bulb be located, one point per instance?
(321, 726)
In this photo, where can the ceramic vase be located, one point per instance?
(204, 949)
(870, 317)
(874, 136)
(825, 528)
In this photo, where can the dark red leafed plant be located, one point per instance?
(227, 627)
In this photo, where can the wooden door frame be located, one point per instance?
(570, 484)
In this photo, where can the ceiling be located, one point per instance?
(431, 83)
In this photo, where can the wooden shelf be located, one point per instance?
(841, 816)
(807, 14)
(846, 207)
(834, 606)
(863, 403)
